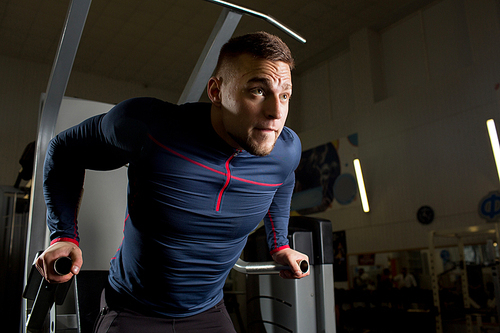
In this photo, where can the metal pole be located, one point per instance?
(492, 261)
(13, 225)
(325, 299)
(465, 285)
(435, 285)
(260, 15)
(58, 81)
(266, 267)
(221, 33)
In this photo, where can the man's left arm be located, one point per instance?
(276, 222)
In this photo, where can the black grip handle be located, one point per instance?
(62, 266)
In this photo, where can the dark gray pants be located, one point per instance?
(121, 320)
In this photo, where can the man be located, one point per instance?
(201, 178)
(405, 279)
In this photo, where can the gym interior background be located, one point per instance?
(414, 81)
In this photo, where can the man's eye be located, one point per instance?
(285, 97)
(258, 91)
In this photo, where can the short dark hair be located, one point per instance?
(260, 44)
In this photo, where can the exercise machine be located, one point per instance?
(275, 305)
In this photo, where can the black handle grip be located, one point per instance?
(62, 266)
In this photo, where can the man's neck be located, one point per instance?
(218, 125)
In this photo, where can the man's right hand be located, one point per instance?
(45, 262)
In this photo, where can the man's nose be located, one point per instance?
(274, 109)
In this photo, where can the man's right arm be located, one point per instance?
(103, 142)
(69, 154)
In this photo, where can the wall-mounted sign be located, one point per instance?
(489, 206)
(366, 259)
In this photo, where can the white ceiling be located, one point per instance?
(157, 42)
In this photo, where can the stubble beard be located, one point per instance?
(252, 146)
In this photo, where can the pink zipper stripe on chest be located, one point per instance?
(226, 183)
(226, 174)
(184, 157)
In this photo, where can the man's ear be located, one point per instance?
(213, 90)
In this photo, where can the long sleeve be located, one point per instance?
(276, 219)
(103, 142)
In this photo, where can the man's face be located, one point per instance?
(253, 106)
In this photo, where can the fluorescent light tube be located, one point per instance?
(361, 186)
(492, 131)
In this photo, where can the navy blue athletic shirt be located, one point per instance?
(192, 198)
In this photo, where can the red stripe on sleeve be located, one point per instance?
(279, 249)
(64, 239)
(276, 248)
(274, 230)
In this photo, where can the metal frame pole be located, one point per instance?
(435, 285)
(325, 299)
(58, 81)
(465, 285)
(221, 33)
(492, 261)
(495, 270)
(260, 15)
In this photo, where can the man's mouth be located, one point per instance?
(266, 129)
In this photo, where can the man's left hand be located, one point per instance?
(291, 258)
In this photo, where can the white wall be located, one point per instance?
(418, 94)
(103, 208)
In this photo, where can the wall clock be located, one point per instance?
(425, 215)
